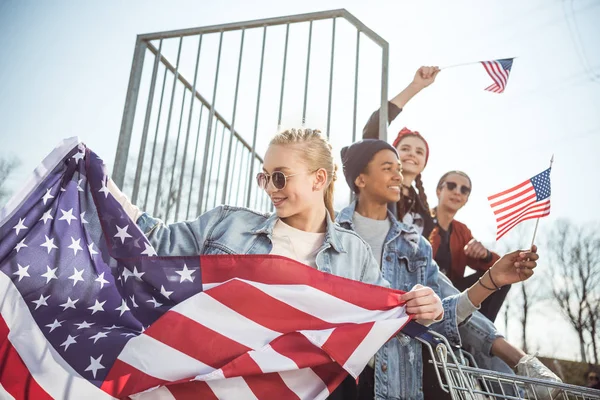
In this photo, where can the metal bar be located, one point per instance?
(168, 211)
(356, 86)
(235, 166)
(285, 53)
(210, 123)
(187, 134)
(166, 143)
(213, 144)
(135, 77)
(205, 102)
(307, 72)
(245, 160)
(262, 59)
(187, 214)
(232, 130)
(149, 182)
(383, 109)
(330, 79)
(142, 153)
(219, 167)
(289, 19)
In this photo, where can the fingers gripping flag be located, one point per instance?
(87, 309)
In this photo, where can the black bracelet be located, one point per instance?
(492, 279)
(481, 283)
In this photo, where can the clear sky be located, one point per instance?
(64, 69)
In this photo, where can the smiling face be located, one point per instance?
(382, 178)
(299, 194)
(413, 152)
(453, 192)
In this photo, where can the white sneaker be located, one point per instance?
(531, 367)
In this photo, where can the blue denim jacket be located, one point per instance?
(406, 261)
(235, 230)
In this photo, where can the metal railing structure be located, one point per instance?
(197, 110)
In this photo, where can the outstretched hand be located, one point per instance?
(514, 267)
(425, 76)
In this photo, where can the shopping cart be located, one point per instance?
(459, 376)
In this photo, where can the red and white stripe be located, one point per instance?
(268, 327)
(498, 74)
(515, 205)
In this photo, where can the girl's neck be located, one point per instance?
(313, 220)
(370, 208)
(407, 182)
(444, 217)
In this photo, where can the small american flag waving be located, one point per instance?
(498, 70)
(527, 200)
(89, 311)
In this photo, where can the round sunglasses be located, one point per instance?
(279, 179)
(463, 189)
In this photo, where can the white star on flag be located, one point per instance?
(22, 272)
(136, 274)
(50, 274)
(153, 301)
(185, 274)
(78, 156)
(77, 276)
(165, 292)
(67, 216)
(81, 217)
(101, 279)
(49, 244)
(97, 307)
(95, 365)
(149, 250)
(70, 340)
(54, 325)
(41, 301)
(69, 304)
(99, 335)
(104, 189)
(20, 226)
(47, 196)
(126, 274)
(46, 216)
(84, 325)
(75, 245)
(110, 328)
(91, 249)
(122, 308)
(20, 245)
(133, 304)
(79, 189)
(122, 233)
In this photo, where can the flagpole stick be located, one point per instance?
(466, 63)
(538, 220)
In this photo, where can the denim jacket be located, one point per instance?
(235, 230)
(406, 261)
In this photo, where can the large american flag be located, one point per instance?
(498, 70)
(88, 311)
(527, 200)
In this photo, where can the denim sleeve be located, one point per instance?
(181, 238)
(449, 325)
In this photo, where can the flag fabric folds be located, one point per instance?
(527, 200)
(498, 70)
(88, 310)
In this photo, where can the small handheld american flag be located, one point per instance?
(498, 70)
(527, 200)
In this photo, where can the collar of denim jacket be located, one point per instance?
(345, 217)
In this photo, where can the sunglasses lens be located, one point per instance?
(451, 185)
(278, 180)
(262, 180)
(465, 190)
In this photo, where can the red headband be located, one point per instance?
(407, 132)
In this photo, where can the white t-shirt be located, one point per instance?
(296, 244)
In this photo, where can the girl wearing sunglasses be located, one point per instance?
(298, 175)
(373, 172)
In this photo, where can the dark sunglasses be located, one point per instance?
(279, 179)
(463, 189)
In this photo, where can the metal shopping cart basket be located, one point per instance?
(459, 376)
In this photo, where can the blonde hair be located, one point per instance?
(317, 155)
